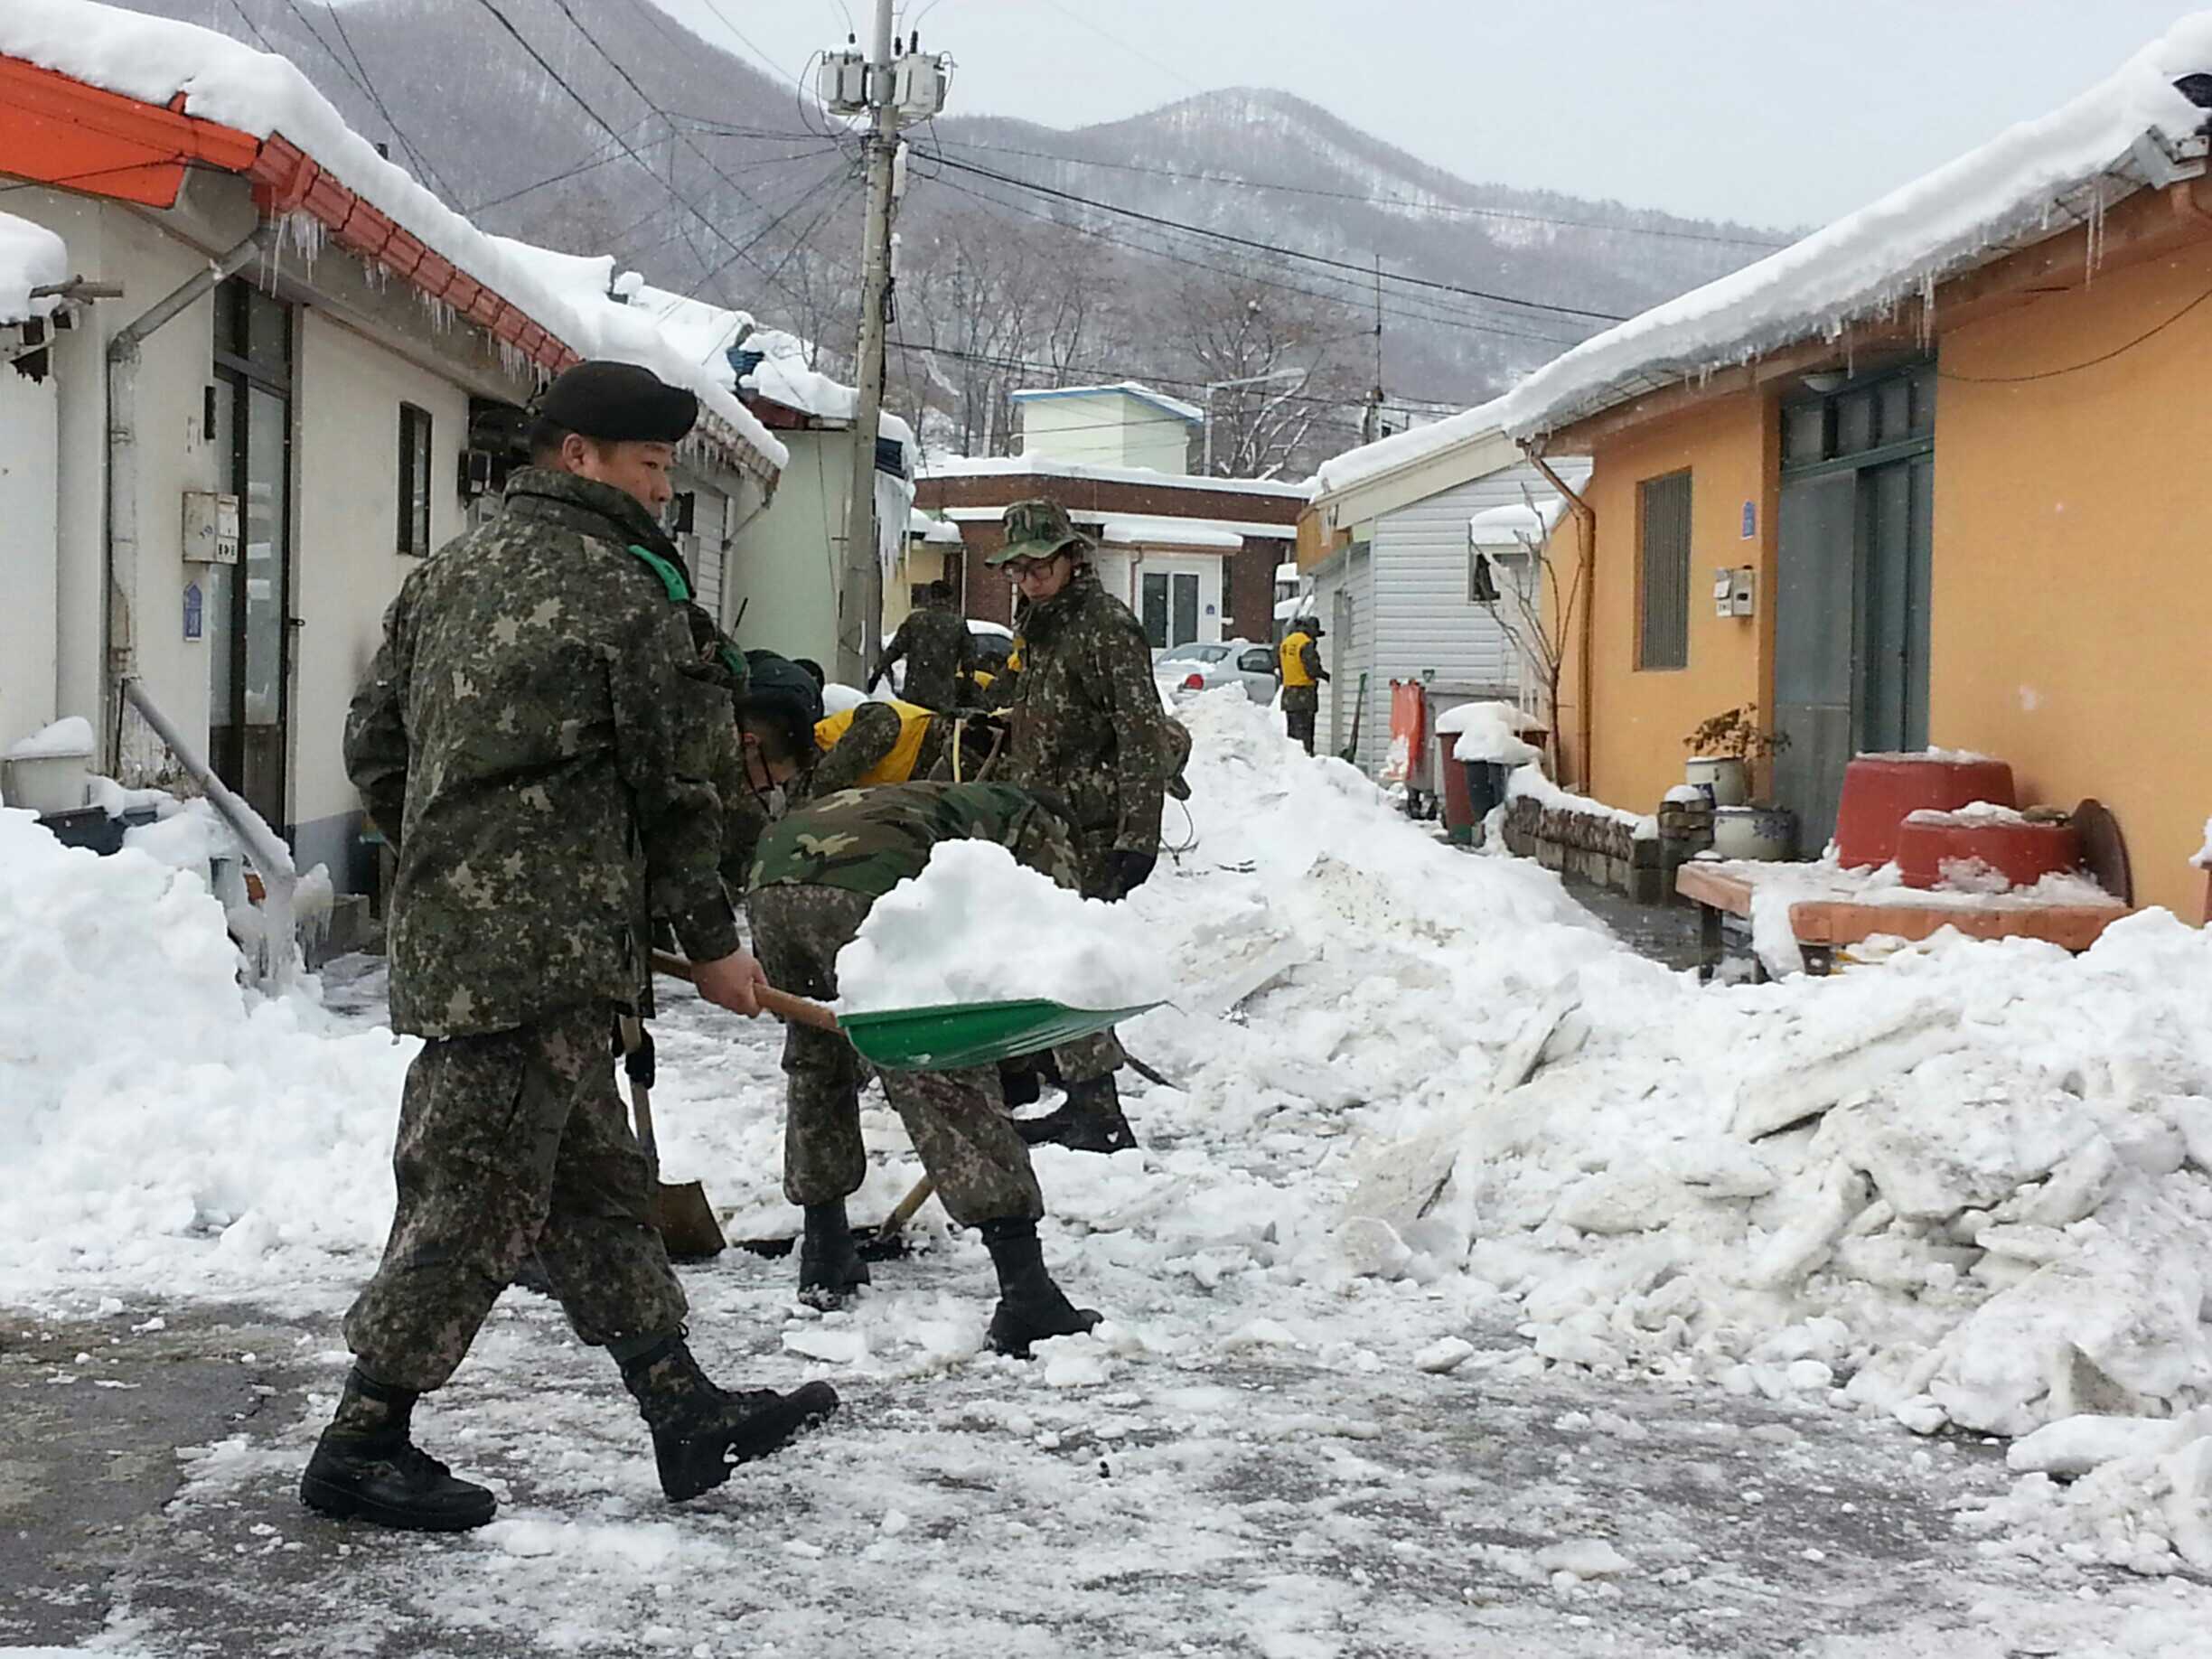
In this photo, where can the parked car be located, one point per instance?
(1188, 670)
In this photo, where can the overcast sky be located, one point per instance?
(1774, 111)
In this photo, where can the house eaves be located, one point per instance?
(62, 125)
(1884, 269)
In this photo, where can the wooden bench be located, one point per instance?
(1825, 923)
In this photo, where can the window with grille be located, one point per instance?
(1663, 637)
(413, 481)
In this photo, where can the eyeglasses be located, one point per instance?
(1022, 569)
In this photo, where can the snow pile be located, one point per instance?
(1487, 732)
(1899, 246)
(975, 926)
(838, 698)
(149, 1105)
(31, 256)
(2203, 860)
(65, 738)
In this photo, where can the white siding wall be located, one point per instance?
(1424, 618)
(1344, 601)
(1110, 428)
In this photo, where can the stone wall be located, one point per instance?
(1598, 849)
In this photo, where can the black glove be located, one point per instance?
(872, 678)
(638, 1063)
(1127, 870)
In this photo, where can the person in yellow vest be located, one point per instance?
(1299, 657)
(873, 744)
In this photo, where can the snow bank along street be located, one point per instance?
(1403, 1348)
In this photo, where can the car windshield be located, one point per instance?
(1196, 653)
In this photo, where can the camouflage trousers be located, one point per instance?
(956, 1119)
(509, 1141)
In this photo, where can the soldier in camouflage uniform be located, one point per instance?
(820, 872)
(535, 739)
(938, 648)
(1088, 725)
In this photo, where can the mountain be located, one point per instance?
(1249, 226)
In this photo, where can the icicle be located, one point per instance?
(2096, 251)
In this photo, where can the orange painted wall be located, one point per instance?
(1642, 715)
(2072, 612)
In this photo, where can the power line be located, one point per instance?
(585, 104)
(1464, 320)
(1444, 209)
(367, 89)
(1164, 380)
(1287, 253)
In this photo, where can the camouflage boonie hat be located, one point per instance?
(1037, 529)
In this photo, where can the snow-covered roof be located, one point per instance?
(1181, 410)
(1506, 526)
(1288, 571)
(1045, 466)
(932, 529)
(706, 333)
(31, 256)
(1181, 532)
(1356, 466)
(2009, 193)
(1258, 528)
(160, 61)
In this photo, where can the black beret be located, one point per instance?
(619, 403)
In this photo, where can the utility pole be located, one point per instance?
(891, 89)
(1371, 422)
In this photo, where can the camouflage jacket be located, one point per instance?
(1088, 723)
(538, 737)
(868, 841)
(937, 649)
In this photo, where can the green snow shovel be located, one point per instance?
(946, 1036)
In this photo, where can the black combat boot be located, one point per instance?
(701, 1433)
(1031, 1307)
(830, 1269)
(1089, 1120)
(366, 1467)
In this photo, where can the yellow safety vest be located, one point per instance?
(1292, 653)
(895, 767)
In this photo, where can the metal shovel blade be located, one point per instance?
(686, 1221)
(947, 1036)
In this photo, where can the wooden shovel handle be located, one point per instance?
(797, 1010)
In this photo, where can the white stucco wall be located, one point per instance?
(30, 566)
(780, 569)
(346, 565)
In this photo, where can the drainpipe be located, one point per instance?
(264, 846)
(1586, 535)
(118, 623)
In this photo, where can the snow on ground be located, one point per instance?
(1962, 1194)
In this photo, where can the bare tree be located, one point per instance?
(1246, 325)
(1533, 606)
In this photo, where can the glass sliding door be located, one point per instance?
(249, 604)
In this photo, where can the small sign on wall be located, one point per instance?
(195, 612)
(1751, 520)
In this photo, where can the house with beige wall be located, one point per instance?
(269, 333)
(1932, 476)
